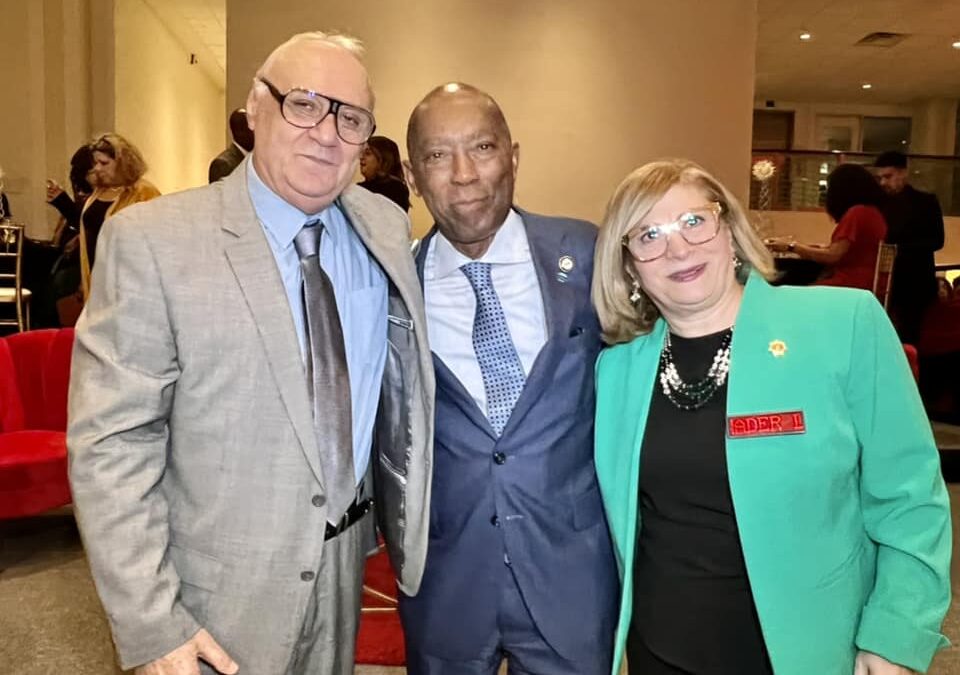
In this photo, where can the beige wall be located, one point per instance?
(934, 127)
(590, 93)
(816, 227)
(172, 110)
(45, 113)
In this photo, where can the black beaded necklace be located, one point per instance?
(696, 394)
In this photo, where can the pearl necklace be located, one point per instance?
(696, 394)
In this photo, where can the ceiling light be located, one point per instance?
(866, 85)
(956, 45)
(804, 35)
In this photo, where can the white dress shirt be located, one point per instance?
(451, 302)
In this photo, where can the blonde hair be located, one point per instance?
(620, 319)
(130, 163)
(345, 42)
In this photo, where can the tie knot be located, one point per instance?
(307, 241)
(478, 274)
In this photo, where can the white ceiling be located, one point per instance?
(201, 26)
(829, 68)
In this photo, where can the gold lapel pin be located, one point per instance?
(778, 348)
(566, 263)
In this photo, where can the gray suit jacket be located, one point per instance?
(193, 460)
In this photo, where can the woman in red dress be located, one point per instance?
(853, 198)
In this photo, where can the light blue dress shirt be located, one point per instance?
(360, 287)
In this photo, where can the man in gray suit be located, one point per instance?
(251, 354)
(520, 564)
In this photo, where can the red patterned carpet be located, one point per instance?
(380, 641)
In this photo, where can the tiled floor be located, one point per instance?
(51, 621)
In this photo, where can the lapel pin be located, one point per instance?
(778, 348)
(566, 263)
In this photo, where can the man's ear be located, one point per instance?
(411, 179)
(515, 152)
(252, 105)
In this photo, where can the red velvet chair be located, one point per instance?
(34, 377)
(913, 360)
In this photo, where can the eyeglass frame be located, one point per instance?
(335, 105)
(716, 207)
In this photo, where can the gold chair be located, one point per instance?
(883, 273)
(11, 288)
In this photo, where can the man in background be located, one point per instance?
(228, 160)
(915, 225)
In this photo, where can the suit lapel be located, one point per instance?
(559, 300)
(559, 304)
(256, 271)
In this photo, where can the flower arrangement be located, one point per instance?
(763, 170)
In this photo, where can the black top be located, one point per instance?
(93, 219)
(693, 611)
(915, 225)
(392, 188)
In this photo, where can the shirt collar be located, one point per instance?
(509, 246)
(280, 219)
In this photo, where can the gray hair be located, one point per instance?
(348, 43)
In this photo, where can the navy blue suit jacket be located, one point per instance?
(545, 496)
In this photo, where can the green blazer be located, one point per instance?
(845, 528)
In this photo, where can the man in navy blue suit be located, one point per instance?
(519, 563)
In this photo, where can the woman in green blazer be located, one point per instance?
(787, 513)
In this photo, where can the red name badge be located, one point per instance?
(766, 424)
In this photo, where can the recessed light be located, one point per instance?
(956, 45)
(804, 35)
(866, 85)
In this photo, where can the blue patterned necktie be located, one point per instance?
(500, 366)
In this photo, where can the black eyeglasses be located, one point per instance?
(306, 109)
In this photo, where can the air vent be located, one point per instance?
(881, 39)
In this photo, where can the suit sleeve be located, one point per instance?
(904, 501)
(122, 383)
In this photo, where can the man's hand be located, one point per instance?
(871, 664)
(183, 659)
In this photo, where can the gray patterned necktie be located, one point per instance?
(328, 375)
(500, 366)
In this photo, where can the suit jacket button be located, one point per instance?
(318, 501)
(495, 521)
(307, 576)
(499, 458)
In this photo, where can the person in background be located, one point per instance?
(70, 206)
(853, 201)
(767, 467)
(4, 202)
(118, 169)
(382, 171)
(228, 160)
(915, 225)
(944, 290)
(55, 264)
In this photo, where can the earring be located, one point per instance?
(636, 294)
(737, 263)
